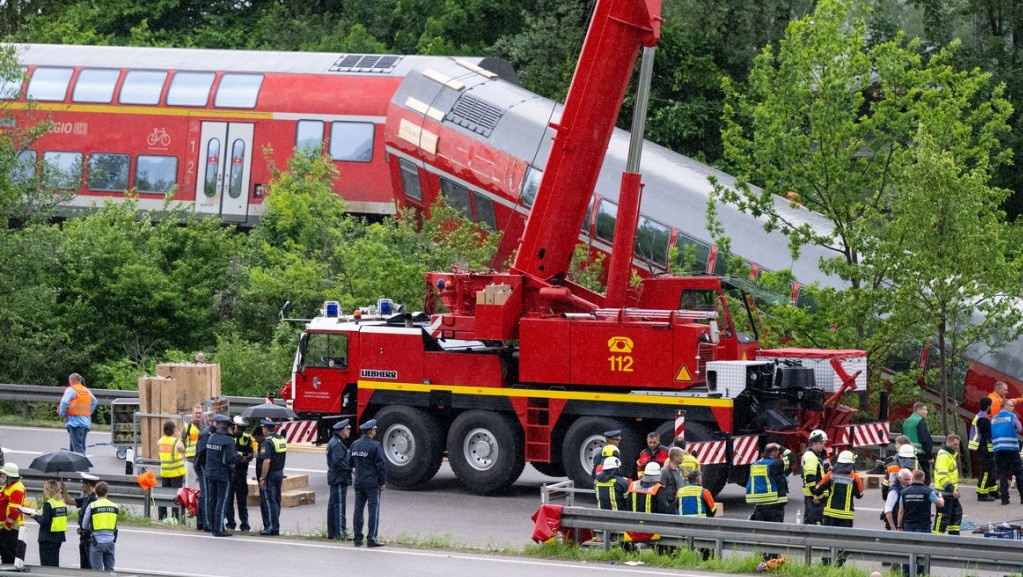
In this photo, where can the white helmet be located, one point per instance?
(652, 470)
(818, 436)
(907, 451)
(847, 457)
(612, 463)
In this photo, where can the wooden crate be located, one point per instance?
(198, 382)
(291, 483)
(297, 498)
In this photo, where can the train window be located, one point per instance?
(238, 91)
(693, 256)
(456, 197)
(309, 135)
(652, 240)
(485, 211)
(352, 141)
(805, 300)
(108, 172)
(589, 215)
(156, 174)
(10, 88)
(410, 180)
(25, 167)
(530, 184)
(607, 214)
(142, 87)
(234, 187)
(190, 89)
(65, 168)
(212, 164)
(95, 85)
(49, 84)
(721, 262)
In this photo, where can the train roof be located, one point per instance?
(253, 61)
(676, 187)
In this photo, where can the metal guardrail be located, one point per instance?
(915, 549)
(124, 489)
(49, 394)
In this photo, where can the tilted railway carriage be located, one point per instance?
(197, 122)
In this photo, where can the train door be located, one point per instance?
(225, 161)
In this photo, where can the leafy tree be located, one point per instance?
(834, 119)
(545, 50)
(957, 281)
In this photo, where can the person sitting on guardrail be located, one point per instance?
(610, 487)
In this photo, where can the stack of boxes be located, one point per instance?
(174, 391)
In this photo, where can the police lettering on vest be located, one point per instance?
(58, 519)
(103, 514)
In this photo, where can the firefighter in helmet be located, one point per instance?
(610, 487)
(815, 465)
(841, 485)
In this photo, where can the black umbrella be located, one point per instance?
(61, 461)
(269, 411)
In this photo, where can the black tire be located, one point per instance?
(585, 438)
(550, 469)
(122, 453)
(715, 477)
(413, 445)
(486, 451)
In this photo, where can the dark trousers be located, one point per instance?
(49, 553)
(925, 464)
(216, 504)
(366, 498)
(202, 510)
(174, 483)
(336, 528)
(8, 545)
(836, 522)
(770, 513)
(238, 492)
(84, 552)
(270, 501)
(1009, 465)
(987, 479)
(813, 514)
(950, 516)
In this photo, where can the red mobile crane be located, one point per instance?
(525, 366)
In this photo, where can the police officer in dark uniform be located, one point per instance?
(83, 502)
(258, 436)
(202, 514)
(238, 490)
(613, 438)
(339, 476)
(221, 457)
(272, 452)
(370, 476)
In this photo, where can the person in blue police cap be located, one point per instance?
(370, 475)
(221, 456)
(339, 476)
(272, 453)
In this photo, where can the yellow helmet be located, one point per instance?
(609, 451)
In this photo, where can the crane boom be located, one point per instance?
(618, 29)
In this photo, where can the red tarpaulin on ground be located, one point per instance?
(548, 525)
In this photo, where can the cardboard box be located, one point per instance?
(719, 510)
(871, 481)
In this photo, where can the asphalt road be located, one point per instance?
(442, 511)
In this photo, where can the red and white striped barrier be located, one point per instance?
(680, 425)
(870, 434)
(744, 451)
(298, 431)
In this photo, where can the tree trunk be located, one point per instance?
(945, 380)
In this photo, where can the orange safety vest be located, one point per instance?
(81, 404)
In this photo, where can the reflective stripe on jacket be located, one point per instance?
(103, 514)
(81, 404)
(844, 488)
(946, 471)
(760, 487)
(1003, 432)
(58, 520)
(642, 496)
(172, 463)
(190, 437)
(692, 501)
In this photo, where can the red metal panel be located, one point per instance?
(384, 351)
(464, 369)
(544, 353)
(624, 356)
